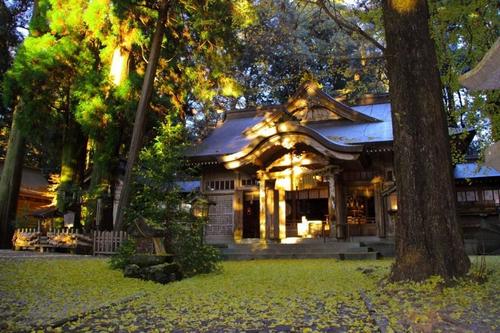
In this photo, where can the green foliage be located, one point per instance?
(155, 194)
(291, 38)
(12, 16)
(193, 256)
(122, 257)
(156, 200)
(463, 32)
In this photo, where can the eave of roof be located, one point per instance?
(232, 136)
(486, 74)
(474, 171)
(311, 90)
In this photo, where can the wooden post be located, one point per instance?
(331, 204)
(262, 209)
(238, 215)
(282, 213)
(276, 209)
(341, 232)
(98, 215)
(94, 243)
(379, 208)
(270, 212)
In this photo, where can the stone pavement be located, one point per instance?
(10, 254)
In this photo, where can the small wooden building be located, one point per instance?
(313, 167)
(34, 193)
(478, 195)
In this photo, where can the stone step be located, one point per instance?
(295, 250)
(332, 255)
(340, 246)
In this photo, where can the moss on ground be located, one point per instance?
(263, 295)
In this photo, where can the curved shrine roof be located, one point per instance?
(229, 137)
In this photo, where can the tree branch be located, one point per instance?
(348, 26)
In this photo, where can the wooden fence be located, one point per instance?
(62, 238)
(107, 242)
(27, 229)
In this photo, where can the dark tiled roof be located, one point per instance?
(473, 170)
(226, 139)
(347, 132)
(229, 138)
(32, 179)
(187, 186)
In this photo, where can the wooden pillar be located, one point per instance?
(379, 208)
(270, 212)
(276, 221)
(331, 204)
(262, 208)
(340, 208)
(238, 215)
(282, 213)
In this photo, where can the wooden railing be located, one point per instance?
(477, 208)
(102, 242)
(107, 242)
(63, 238)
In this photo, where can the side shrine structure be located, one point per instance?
(313, 167)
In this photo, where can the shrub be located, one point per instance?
(156, 200)
(192, 255)
(122, 257)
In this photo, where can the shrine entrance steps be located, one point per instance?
(305, 249)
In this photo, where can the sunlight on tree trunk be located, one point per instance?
(119, 66)
(428, 238)
(106, 151)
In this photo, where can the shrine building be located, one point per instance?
(313, 167)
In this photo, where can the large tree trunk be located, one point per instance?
(138, 132)
(10, 183)
(428, 237)
(103, 178)
(72, 168)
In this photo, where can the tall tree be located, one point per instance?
(305, 42)
(428, 238)
(10, 183)
(62, 76)
(147, 90)
(193, 67)
(13, 17)
(10, 180)
(463, 32)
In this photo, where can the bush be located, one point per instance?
(122, 257)
(156, 199)
(192, 255)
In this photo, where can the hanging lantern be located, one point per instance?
(393, 202)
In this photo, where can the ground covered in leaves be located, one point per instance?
(249, 296)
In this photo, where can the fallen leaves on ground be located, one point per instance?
(320, 295)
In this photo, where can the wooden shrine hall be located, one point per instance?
(313, 167)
